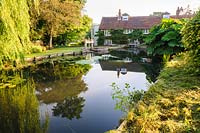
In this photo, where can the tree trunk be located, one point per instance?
(51, 39)
(50, 42)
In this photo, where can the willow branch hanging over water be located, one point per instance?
(14, 30)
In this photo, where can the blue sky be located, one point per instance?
(96, 9)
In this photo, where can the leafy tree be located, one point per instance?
(39, 31)
(191, 40)
(60, 16)
(118, 37)
(84, 28)
(34, 17)
(165, 39)
(77, 33)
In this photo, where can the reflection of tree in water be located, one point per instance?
(18, 105)
(60, 89)
(54, 70)
(70, 108)
(66, 80)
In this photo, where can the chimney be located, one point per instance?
(178, 11)
(119, 15)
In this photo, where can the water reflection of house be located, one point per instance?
(114, 66)
(130, 23)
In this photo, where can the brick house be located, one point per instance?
(129, 23)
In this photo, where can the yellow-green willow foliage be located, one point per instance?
(14, 30)
(18, 106)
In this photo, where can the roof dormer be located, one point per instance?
(125, 17)
(166, 15)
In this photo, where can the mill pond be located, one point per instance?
(66, 96)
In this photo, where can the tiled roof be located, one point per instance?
(138, 22)
(181, 16)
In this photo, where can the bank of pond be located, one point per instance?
(171, 105)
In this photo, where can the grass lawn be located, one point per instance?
(55, 51)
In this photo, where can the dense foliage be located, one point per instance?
(26, 24)
(100, 40)
(76, 34)
(191, 40)
(136, 35)
(165, 39)
(14, 30)
(118, 37)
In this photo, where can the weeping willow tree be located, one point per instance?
(14, 30)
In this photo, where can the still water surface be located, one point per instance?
(91, 109)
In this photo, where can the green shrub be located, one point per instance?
(165, 38)
(36, 49)
(191, 40)
(126, 98)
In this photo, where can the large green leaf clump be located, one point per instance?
(165, 39)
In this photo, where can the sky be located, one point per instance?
(96, 9)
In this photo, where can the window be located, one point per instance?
(124, 18)
(127, 31)
(146, 31)
(108, 42)
(166, 16)
(107, 33)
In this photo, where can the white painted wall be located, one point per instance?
(94, 30)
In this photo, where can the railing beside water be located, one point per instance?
(51, 56)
